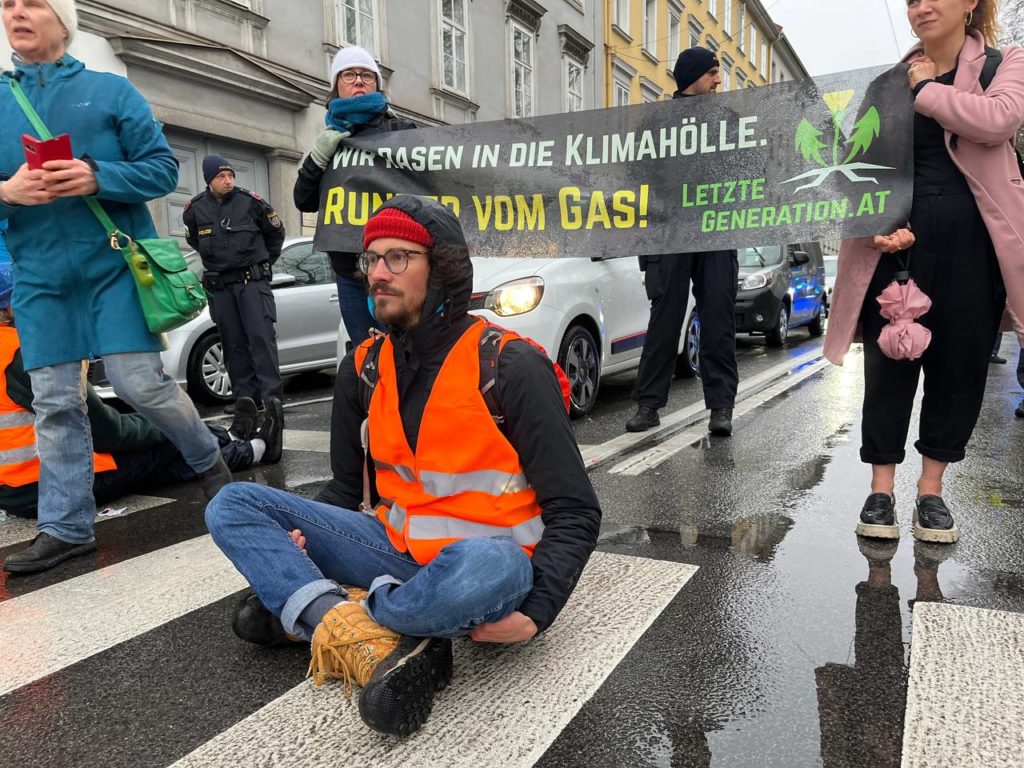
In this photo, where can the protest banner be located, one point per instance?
(794, 162)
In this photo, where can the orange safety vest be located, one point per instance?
(465, 479)
(19, 459)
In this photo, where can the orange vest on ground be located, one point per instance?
(465, 479)
(19, 459)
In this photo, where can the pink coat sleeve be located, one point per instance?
(989, 118)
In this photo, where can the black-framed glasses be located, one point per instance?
(396, 260)
(349, 76)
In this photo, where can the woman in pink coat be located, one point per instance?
(965, 247)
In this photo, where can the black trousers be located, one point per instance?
(667, 279)
(953, 261)
(245, 314)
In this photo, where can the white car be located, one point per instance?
(306, 296)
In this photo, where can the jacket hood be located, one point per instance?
(451, 270)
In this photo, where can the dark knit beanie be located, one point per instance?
(391, 222)
(214, 164)
(692, 65)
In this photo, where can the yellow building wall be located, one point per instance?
(649, 68)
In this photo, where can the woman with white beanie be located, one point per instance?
(356, 106)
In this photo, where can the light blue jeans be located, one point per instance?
(67, 508)
(470, 582)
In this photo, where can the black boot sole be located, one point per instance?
(399, 703)
(38, 566)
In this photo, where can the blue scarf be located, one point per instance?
(346, 114)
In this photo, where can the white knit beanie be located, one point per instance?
(65, 10)
(348, 58)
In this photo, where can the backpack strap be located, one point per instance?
(367, 355)
(490, 346)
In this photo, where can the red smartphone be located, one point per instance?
(38, 151)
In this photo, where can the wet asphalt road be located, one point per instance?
(788, 647)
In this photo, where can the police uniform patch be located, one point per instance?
(274, 219)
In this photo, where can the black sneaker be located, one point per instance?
(44, 553)
(878, 517)
(997, 359)
(243, 426)
(400, 694)
(272, 431)
(253, 623)
(720, 422)
(643, 419)
(933, 521)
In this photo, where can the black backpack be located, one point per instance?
(993, 58)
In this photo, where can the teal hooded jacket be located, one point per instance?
(73, 294)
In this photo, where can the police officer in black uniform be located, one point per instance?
(667, 279)
(239, 236)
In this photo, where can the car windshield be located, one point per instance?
(760, 256)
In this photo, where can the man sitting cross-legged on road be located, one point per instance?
(482, 517)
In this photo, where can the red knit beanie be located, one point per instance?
(391, 222)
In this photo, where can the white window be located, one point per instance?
(573, 85)
(356, 23)
(521, 49)
(741, 25)
(727, 18)
(753, 45)
(713, 8)
(649, 91)
(712, 44)
(673, 37)
(621, 17)
(650, 25)
(454, 37)
(726, 70)
(696, 30)
(741, 78)
(621, 93)
(764, 56)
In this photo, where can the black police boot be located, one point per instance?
(933, 521)
(720, 422)
(253, 623)
(878, 517)
(400, 694)
(643, 419)
(272, 431)
(43, 553)
(243, 426)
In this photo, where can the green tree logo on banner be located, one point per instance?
(810, 145)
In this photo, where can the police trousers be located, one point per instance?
(245, 315)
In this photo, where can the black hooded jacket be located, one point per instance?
(536, 423)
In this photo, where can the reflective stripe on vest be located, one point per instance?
(482, 481)
(395, 515)
(18, 455)
(403, 472)
(16, 419)
(525, 534)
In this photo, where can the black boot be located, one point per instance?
(272, 431)
(43, 553)
(253, 623)
(243, 426)
(878, 517)
(215, 478)
(720, 422)
(643, 419)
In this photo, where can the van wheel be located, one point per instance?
(776, 337)
(207, 372)
(816, 327)
(688, 364)
(579, 358)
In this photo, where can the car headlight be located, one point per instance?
(757, 280)
(515, 298)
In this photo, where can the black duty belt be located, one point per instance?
(215, 281)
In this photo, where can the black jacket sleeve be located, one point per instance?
(19, 386)
(271, 227)
(538, 428)
(188, 218)
(115, 431)
(306, 193)
(345, 488)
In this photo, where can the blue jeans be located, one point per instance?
(355, 312)
(470, 582)
(67, 508)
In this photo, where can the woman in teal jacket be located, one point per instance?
(74, 296)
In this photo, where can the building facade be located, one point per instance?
(247, 79)
(643, 38)
(786, 65)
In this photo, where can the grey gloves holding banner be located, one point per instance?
(325, 146)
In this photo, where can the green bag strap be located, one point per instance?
(108, 225)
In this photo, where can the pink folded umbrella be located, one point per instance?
(902, 304)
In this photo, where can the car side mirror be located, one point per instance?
(799, 257)
(282, 279)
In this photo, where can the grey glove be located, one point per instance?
(325, 146)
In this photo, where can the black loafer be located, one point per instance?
(878, 517)
(44, 553)
(933, 522)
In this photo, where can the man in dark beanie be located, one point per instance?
(239, 236)
(667, 279)
(479, 515)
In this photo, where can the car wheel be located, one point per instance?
(777, 336)
(816, 327)
(688, 364)
(207, 374)
(578, 356)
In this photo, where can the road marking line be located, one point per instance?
(662, 452)
(505, 706)
(600, 454)
(17, 529)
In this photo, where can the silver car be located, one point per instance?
(307, 328)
